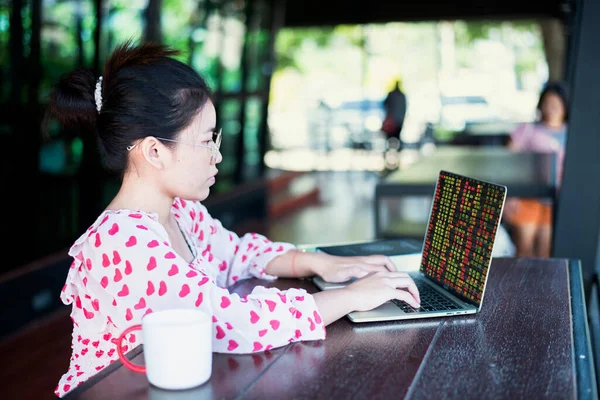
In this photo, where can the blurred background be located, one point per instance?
(295, 92)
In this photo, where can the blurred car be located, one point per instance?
(456, 112)
(351, 123)
(358, 114)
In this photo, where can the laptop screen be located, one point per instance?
(460, 237)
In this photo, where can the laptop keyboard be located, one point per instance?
(431, 300)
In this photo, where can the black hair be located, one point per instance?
(145, 92)
(561, 90)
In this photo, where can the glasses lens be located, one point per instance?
(217, 139)
(215, 150)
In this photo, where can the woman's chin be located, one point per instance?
(204, 194)
(198, 195)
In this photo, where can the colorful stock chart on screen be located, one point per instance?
(460, 237)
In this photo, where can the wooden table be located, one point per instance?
(531, 340)
(525, 174)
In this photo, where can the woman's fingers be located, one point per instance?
(396, 280)
(406, 297)
(358, 271)
(384, 261)
(374, 268)
(407, 283)
(389, 264)
(396, 274)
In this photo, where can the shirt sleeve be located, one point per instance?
(133, 271)
(237, 258)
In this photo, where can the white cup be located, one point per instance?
(177, 348)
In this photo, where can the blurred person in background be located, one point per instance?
(531, 219)
(395, 112)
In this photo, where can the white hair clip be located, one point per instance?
(98, 94)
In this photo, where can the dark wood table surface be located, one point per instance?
(531, 340)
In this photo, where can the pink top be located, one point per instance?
(124, 268)
(538, 138)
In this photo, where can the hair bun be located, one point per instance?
(72, 101)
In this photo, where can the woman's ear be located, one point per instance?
(154, 152)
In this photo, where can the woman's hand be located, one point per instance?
(376, 288)
(367, 293)
(298, 264)
(341, 269)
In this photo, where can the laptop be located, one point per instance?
(456, 252)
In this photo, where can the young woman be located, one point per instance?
(532, 219)
(156, 247)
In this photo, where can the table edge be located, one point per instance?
(583, 357)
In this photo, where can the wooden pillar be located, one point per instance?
(153, 30)
(277, 13)
(240, 145)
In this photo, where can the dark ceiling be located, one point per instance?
(304, 13)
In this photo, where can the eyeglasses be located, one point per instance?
(214, 146)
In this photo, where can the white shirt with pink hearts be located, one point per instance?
(124, 268)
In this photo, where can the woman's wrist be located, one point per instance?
(334, 304)
(300, 264)
(295, 255)
(292, 264)
(318, 262)
(306, 264)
